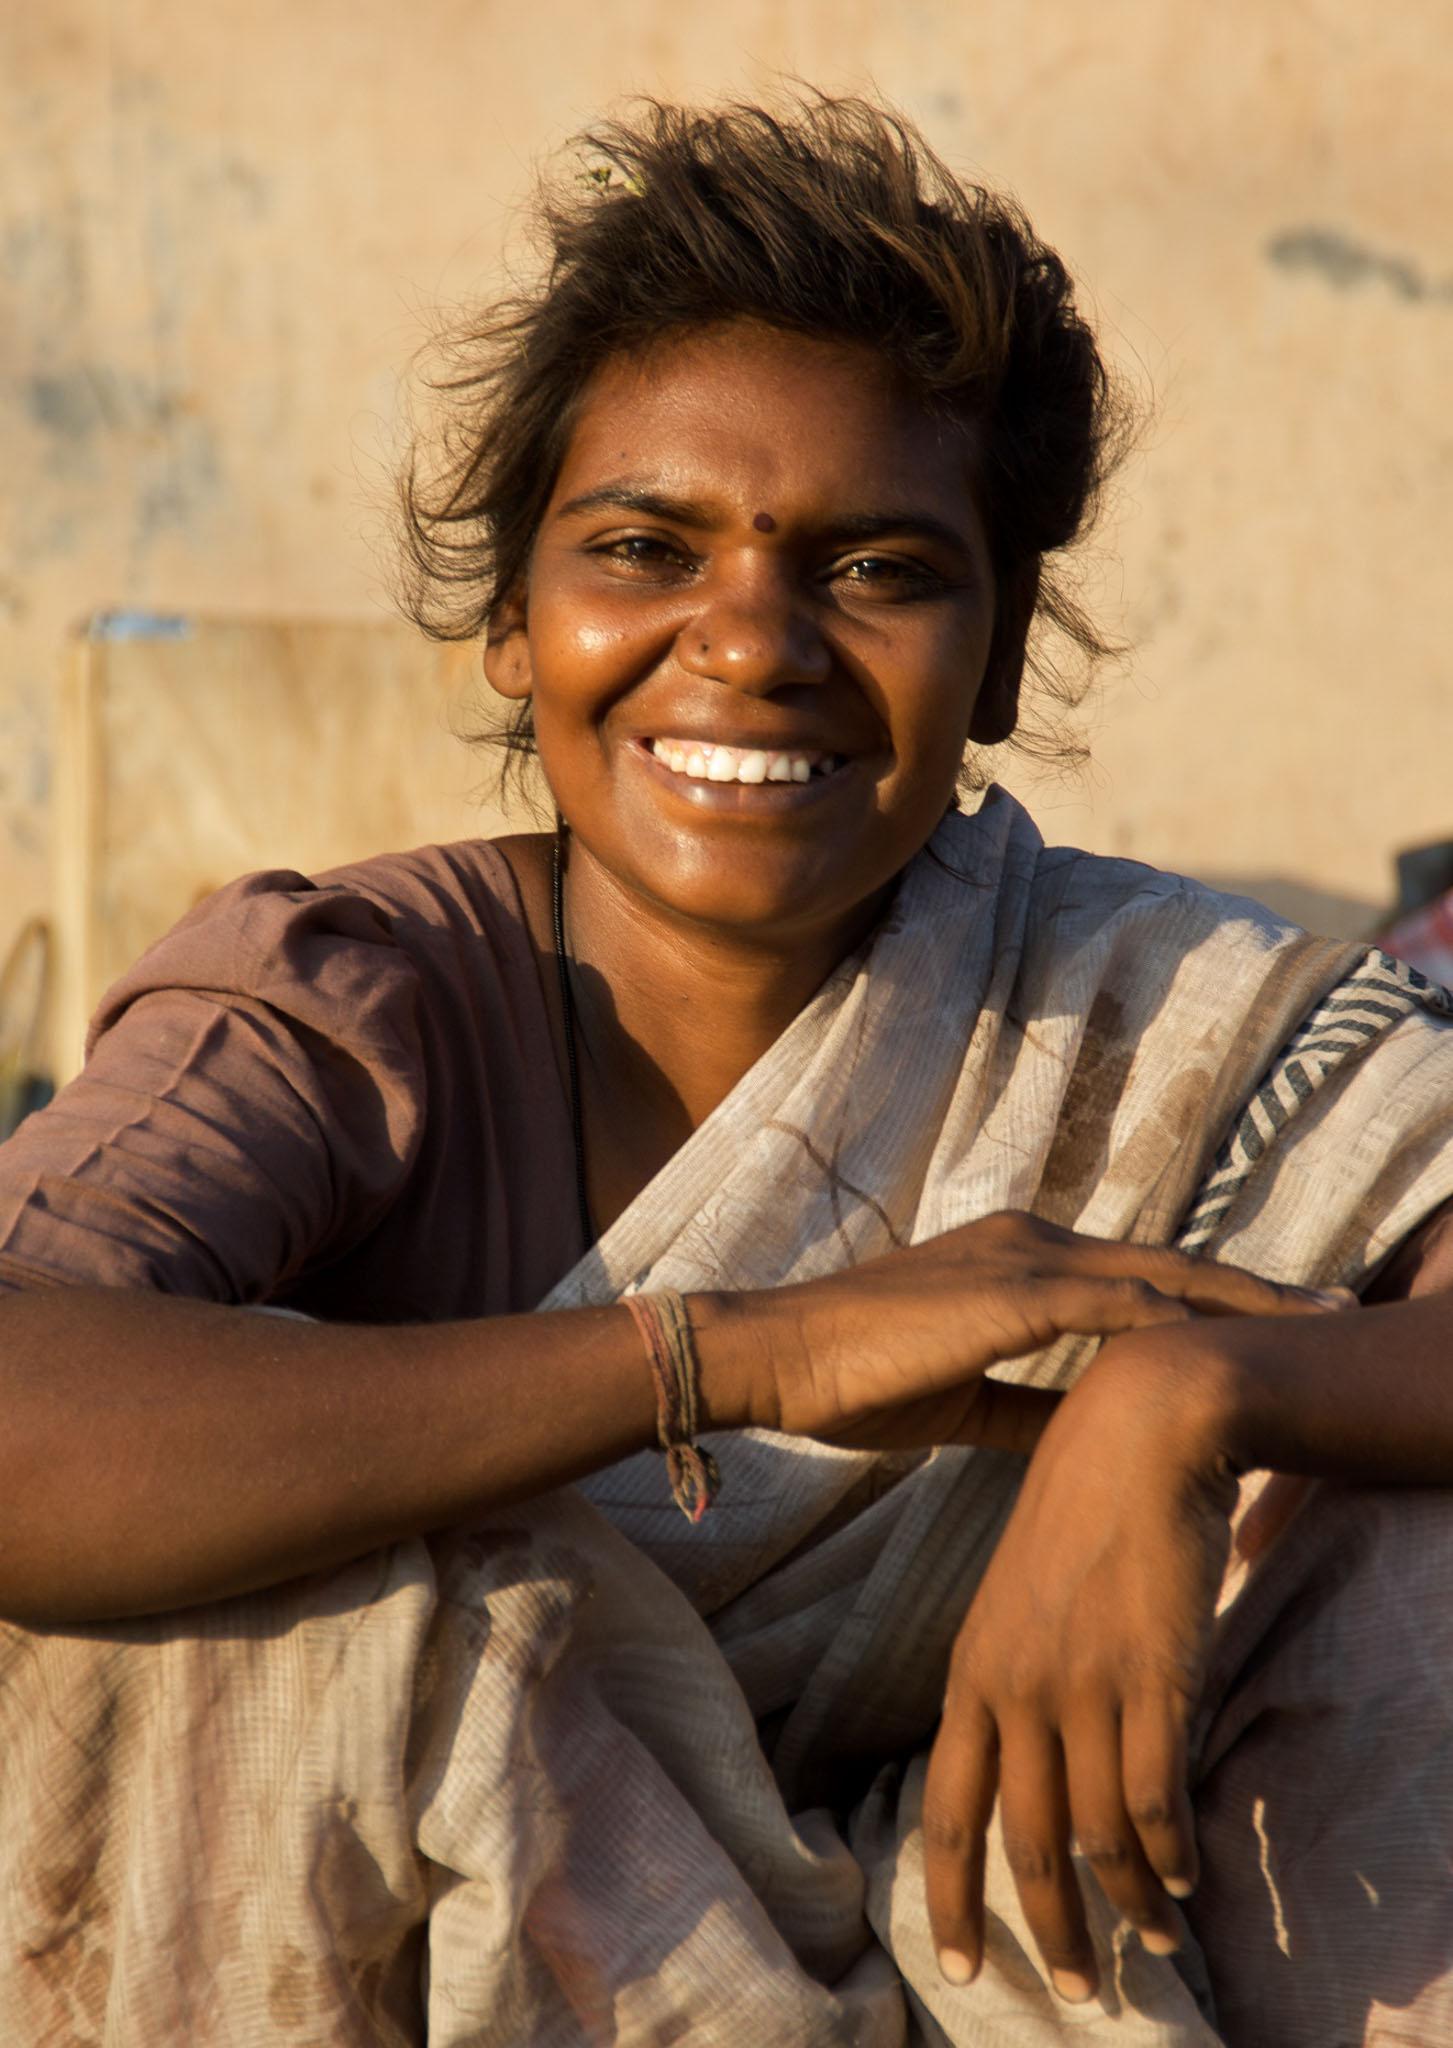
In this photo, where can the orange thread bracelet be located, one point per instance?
(666, 1331)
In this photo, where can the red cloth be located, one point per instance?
(1424, 938)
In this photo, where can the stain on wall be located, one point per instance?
(1348, 265)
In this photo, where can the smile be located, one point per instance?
(702, 761)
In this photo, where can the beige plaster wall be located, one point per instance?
(219, 227)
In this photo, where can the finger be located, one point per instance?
(958, 1801)
(1105, 1833)
(1025, 1315)
(1034, 1812)
(1213, 1290)
(1099, 1305)
(1155, 1775)
(1209, 1287)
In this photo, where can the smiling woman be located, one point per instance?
(759, 730)
(965, 1220)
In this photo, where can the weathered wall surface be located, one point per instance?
(219, 227)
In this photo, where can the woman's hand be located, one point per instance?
(1081, 1661)
(893, 1353)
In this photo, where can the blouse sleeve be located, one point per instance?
(252, 1099)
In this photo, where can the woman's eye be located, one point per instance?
(890, 574)
(643, 551)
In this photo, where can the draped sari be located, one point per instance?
(586, 1774)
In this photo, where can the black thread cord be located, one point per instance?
(572, 1065)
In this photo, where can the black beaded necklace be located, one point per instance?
(572, 1064)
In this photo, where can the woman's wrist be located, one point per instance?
(1176, 1396)
(1251, 1393)
(738, 1337)
(1362, 1395)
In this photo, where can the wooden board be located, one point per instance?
(190, 751)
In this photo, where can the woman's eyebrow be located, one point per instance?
(628, 497)
(873, 525)
(624, 496)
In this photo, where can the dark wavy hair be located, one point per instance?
(826, 217)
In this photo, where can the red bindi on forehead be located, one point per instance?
(765, 523)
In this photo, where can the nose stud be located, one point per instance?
(765, 523)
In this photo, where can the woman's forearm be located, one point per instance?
(157, 1452)
(1366, 1395)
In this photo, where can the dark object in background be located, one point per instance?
(1421, 928)
(1423, 872)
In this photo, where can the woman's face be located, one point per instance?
(762, 562)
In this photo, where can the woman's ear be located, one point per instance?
(996, 709)
(507, 649)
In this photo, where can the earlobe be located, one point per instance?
(507, 666)
(996, 710)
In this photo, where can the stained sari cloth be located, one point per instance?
(584, 1774)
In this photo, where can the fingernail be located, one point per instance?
(1178, 1887)
(1157, 1942)
(1072, 1987)
(955, 1966)
(1331, 1297)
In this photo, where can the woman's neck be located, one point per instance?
(677, 1011)
(669, 1015)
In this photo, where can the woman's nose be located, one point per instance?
(754, 644)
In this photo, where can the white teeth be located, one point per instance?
(704, 761)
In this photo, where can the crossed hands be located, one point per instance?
(1081, 1661)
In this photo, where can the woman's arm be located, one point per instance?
(1074, 1709)
(157, 1451)
(1372, 1403)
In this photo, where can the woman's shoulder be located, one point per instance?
(473, 882)
(1072, 885)
(1069, 897)
(398, 897)
(300, 1062)
(363, 935)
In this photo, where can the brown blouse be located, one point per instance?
(339, 1095)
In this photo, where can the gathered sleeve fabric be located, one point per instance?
(252, 1102)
